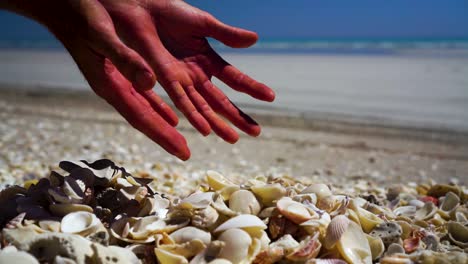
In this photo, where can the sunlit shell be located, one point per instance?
(396, 260)
(326, 261)
(82, 223)
(220, 261)
(244, 202)
(189, 233)
(367, 219)
(227, 191)
(376, 245)
(408, 210)
(50, 225)
(187, 249)
(458, 234)
(269, 193)
(389, 232)
(205, 218)
(237, 243)
(220, 206)
(353, 245)
(64, 209)
(294, 211)
(197, 200)
(154, 205)
(426, 212)
(216, 180)
(165, 257)
(416, 203)
(244, 221)
(308, 248)
(309, 198)
(319, 189)
(335, 230)
(317, 225)
(134, 192)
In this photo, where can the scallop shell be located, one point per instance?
(319, 189)
(189, 233)
(308, 248)
(244, 221)
(244, 202)
(294, 211)
(337, 227)
(82, 223)
(269, 193)
(353, 245)
(426, 212)
(237, 243)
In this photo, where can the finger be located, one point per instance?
(238, 80)
(222, 105)
(184, 104)
(219, 126)
(107, 82)
(129, 62)
(229, 35)
(161, 107)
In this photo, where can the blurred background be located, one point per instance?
(392, 62)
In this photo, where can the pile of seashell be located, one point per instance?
(99, 213)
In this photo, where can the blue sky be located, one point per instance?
(312, 18)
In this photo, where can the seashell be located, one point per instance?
(205, 218)
(326, 261)
(287, 243)
(431, 241)
(309, 198)
(353, 245)
(439, 190)
(411, 244)
(244, 221)
(144, 252)
(449, 203)
(269, 256)
(376, 245)
(244, 202)
(64, 209)
(73, 189)
(269, 193)
(389, 232)
(220, 261)
(113, 254)
(426, 212)
(294, 211)
(317, 225)
(367, 219)
(210, 253)
(17, 257)
(227, 191)
(406, 229)
(189, 233)
(308, 248)
(279, 226)
(216, 180)
(458, 234)
(237, 243)
(393, 249)
(197, 200)
(408, 211)
(396, 260)
(187, 249)
(16, 221)
(337, 227)
(134, 192)
(333, 204)
(156, 205)
(165, 257)
(319, 189)
(268, 212)
(49, 225)
(82, 223)
(416, 203)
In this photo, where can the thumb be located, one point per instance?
(231, 36)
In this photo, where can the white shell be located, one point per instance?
(190, 233)
(79, 223)
(320, 189)
(335, 230)
(294, 211)
(244, 202)
(237, 243)
(242, 221)
(197, 200)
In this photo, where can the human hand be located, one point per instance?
(109, 39)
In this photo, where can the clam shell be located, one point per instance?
(294, 211)
(220, 261)
(319, 189)
(367, 219)
(393, 249)
(244, 202)
(205, 218)
(197, 200)
(335, 230)
(216, 180)
(269, 193)
(189, 233)
(244, 221)
(237, 243)
(376, 245)
(449, 202)
(458, 234)
(82, 223)
(165, 257)
(187, 249)
(426, 212)
(353, 245)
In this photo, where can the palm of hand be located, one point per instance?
(170, 36)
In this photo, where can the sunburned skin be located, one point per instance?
(123, 47)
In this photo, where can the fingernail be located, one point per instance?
(145, 80)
